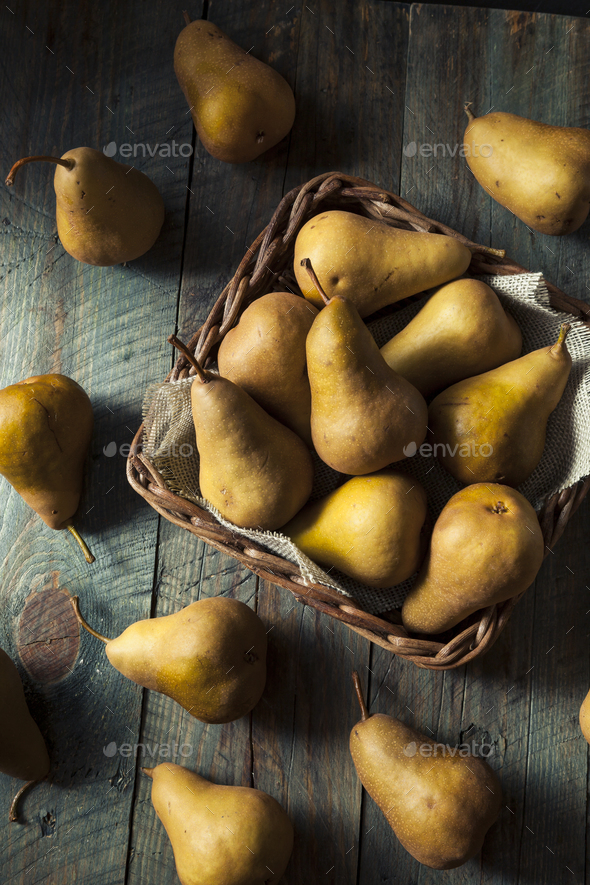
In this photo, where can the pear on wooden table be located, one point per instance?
(46, 425)
(220, 834)
(585, 717)
(439, 801)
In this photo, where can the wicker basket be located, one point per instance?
(267, 266)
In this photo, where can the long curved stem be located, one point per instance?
(306, 263)
(359, 693)
(203, 375)
(469, 112)
(487, 250)
(76, 606)
(186, 17)
(81, 542)
(13, 812)
(67, 164)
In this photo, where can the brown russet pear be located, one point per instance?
(253, 469)
(107, 212)
(240, 106)
(369, 528)
(440, 801)
(209, 657)
(492, 427)
(45, 429)
(585, 717)
(486, 547)
(541, 173)
(220, 835)
(22, 749)
(371, 263)
(265, 355)
(363, 414)
(461, 331)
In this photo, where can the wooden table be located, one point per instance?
(370, 79)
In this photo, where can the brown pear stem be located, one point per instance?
(187, 21)
(565, 327)
(13, 812)
(487, 250)
(67, 164)
(76, 606)
(469, 112)
(306, 263)
(359, 693)
(148, 771)
(81, 542)
(204, 376)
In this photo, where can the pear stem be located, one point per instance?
(148, 771)
(67, 164)
(565, 327)
(76, 606)
(187, 20)
(204, 376)
(81, 542)
(13, 812)
(487, 250)
(306, 263)
(469, 112)
(359, 693)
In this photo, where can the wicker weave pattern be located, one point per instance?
(260, 270)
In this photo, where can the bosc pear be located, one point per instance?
(461, 331)
(253, 469)
(363, 414)
(439, 801)
(541, 173)
(240, 106)
(22, 749)
(46, 425)
(107, 212)
(220, 834)
(369, 528)
(372, 264)
(265, 355)
(486, 547)
(492, 427)
(210, 657)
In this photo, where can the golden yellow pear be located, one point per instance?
(492, 427)
(265, 355)
(440, 801)
(585, 717)
(461, 331)
(369, 528)
(240, 106)
(209, 657)
(486, 547)
(107, 212)
(220, 835)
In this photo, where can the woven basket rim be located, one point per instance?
(254, 277)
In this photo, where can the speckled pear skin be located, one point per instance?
(541, 173)
(240, 106)
(486, 546)
(22, 749)
(221, 834)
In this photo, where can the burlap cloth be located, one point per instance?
(169, 437)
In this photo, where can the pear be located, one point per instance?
(373, 264)
(461, 331)
(265, 355)
(107, 213)
(492, 427)
(369, 528)
(486, 547)
(45, 429)
(220, 834)
(240, 106)
(255, 471)
(585, 717)
(209, 657)
(363, 414)
(440, 805)
(541, 173)
(22, 749)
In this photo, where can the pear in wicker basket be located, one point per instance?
(369, 528)
(253, 469)
(492, 427)
(363, 414)
(486, 547)
(461, 331)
